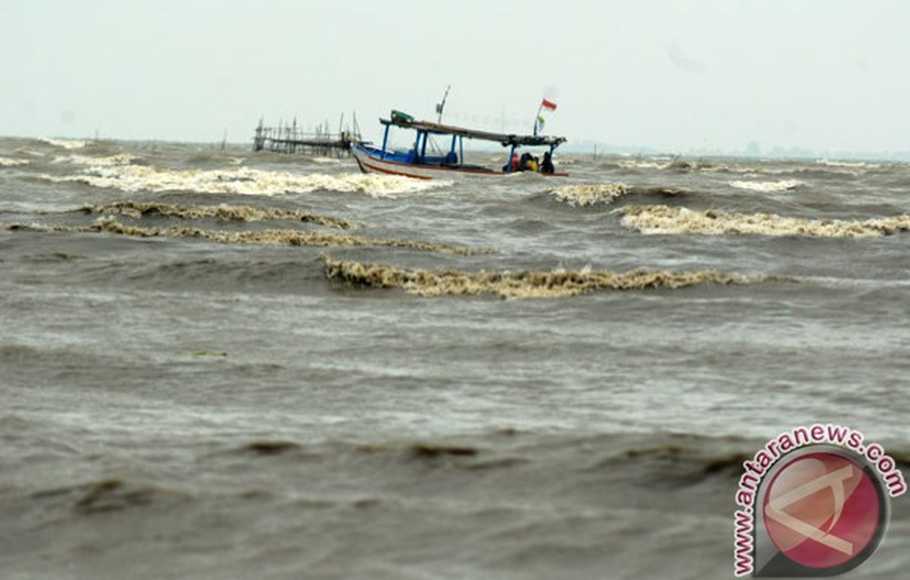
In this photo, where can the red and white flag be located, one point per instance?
(548, 105)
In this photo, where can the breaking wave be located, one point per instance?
(113, 161)
(65, 143)
(664, 164)
(242, 181)
(848, 164)
(661, 219)
(768, 186)
(29, 152)
(588, 195)
(7, 162)
(821, 167)
(222, 212)
(108, 225)
(555, 284)
(606, 193)
(642, 164)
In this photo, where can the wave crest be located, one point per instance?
(222, 212)
(7, 162)
(522, 285)
(591, 194)
(109, 225)
(848, 164)
(677, 164)
(768, 186)
(241, 181)
(68, 144)
(661, 219)
(110, 495)
(587, 195)
(117, 160)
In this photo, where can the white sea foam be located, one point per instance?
(848, 164)
(65, 143)
(640, 164)
(590, 194)
(768, 186)
(664, 220)
(243, 181)
(665, 164)
(521, 285)
(29, 152)
(85, 160)
(7, 162)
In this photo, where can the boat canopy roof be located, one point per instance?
(407, 122)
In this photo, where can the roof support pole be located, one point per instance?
(385, 140)
(454, 144)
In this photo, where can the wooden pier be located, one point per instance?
(290, 138)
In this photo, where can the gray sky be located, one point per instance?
(674, 74)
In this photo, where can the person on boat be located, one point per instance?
(533, 164)
(525, 162)
(547, 166)
(512, 165)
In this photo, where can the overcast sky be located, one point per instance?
(674, 74)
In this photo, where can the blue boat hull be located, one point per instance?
(372, 160)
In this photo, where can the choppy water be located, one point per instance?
(228, 365)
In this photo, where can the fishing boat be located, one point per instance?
(417, 163)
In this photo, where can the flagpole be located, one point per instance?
(537, 118)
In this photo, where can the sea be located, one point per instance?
(223, 364)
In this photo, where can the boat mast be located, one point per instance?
(440, 107)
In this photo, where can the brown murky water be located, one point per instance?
(227, 365)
